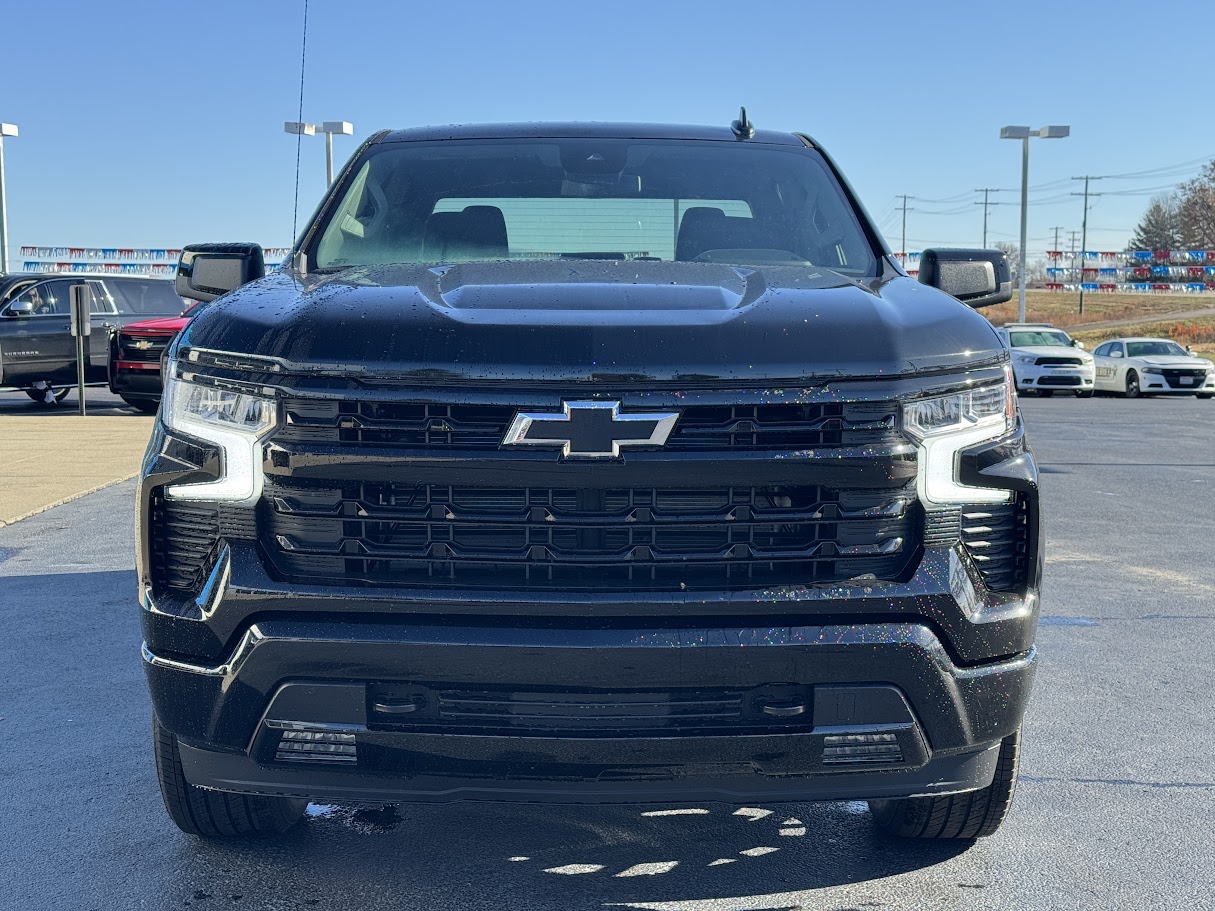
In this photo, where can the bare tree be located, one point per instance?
(1013, 253)
(1197, 210)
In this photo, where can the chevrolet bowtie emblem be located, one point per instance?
(142, 345)
(590, 430)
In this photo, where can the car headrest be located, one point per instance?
(478, 232)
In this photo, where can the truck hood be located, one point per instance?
(566, 320)
(161, 324)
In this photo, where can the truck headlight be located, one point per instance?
(945, 425)
(235, 421)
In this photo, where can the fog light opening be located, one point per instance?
(845, 749)
(316, 746)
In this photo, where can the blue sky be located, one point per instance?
(153, 124)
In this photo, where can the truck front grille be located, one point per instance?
(700, 427)
(997, 539)
(142, 347)
(588, 539)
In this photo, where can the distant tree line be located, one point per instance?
(1181, 220)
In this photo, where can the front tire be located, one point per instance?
(1133, 390)
(214, 814)
(1045, 393)
(1084, 393)
(1206, 395)
(970, 815)
(45, 393)
(147, 406)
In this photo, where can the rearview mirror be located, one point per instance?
(205, 271)
(21, 308)
(979, 278)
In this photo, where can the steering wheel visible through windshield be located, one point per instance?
(617, 199)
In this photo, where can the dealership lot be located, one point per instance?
(1113, 811)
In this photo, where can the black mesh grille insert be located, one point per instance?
(541, 712)
(997, 539)
(672, 539)
(1184, 377)
(185, 539)
(700, 427)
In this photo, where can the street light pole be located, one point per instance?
(1024, 227)
(330, 128)
(6, 129)
(1024, 133)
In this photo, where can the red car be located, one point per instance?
(135, 356)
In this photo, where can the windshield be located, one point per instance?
(1039, 338)
(1156, 348)
(617, 199)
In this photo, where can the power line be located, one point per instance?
(300, 136)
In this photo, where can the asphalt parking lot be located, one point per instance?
(1114, 808)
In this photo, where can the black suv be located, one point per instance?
(37, 349)
(589, 463)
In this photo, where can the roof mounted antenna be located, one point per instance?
(742, 126)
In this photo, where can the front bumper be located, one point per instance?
(137, 379)
(1064, 378)
(892, 684)
(1157, 384)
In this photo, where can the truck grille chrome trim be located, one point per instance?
(409, 425)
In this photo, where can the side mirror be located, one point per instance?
(205, 271)
(21, 308)
(1076, 343)
(979, 278)
(1115, 353)
(1189, 350)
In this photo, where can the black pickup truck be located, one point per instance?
(589, 463)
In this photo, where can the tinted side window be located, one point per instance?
(52, 298)
(103, 303)
(144, 296)
(1103, 350)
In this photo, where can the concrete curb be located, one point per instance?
(4, 523)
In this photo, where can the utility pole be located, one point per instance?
(903, 255)
(1072, 240)
(1084, 231)
(987, 205)
(1056, 229)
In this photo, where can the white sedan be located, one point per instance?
(1152, 366)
